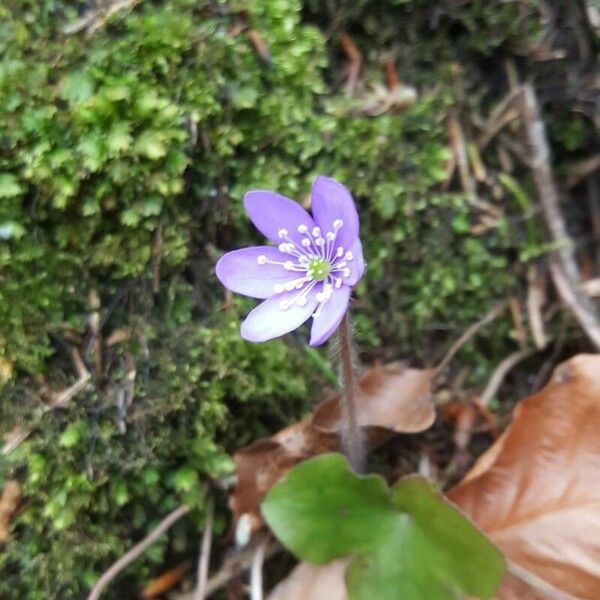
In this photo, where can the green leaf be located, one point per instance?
(130, 218)
(119, 138)
(151, 144)
(408, 542)
(77, 87)
(185, 479)
(9, 186)
(70, 436)
(120, 493)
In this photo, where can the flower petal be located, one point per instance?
(240, 272)
(271, 212)
(357, 265)
(269, 320)
(330, 201)
(333, 311)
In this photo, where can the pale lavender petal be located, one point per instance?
(271, 212)
(269, 320)
(332, 313)
(240, 272)
(331, 201)
(357, 265)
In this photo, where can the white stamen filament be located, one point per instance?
(317, 258)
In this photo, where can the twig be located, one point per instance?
(568, 295)
(256, 578)
(459, 146)
(517, 318)
(95, 18)
(565, 272)
(500, 117)
(500, 373)
(536, 297)
(136, 551)
(351, 434)
(204, 558)
(467, 335)
(537, 583)
(14, 439)
(240, 561)
(59, 399)
(260, 47)
(594, 203)
(544, 181)
(577, 172)
(592, 287)
(354, 62)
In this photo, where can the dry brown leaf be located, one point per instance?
(391, 399)
(536, 491)
(165, 582)
(314, 582)
(9, 501)
(261, 464)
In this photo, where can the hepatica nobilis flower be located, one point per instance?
(311, 270)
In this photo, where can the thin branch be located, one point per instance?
(256, 578)
(500, 373)
(136, 551)
(565, 272)
(240, 561)
(537, 583)
(568, 295)
(467, 335)
(204, 558)
(59, 399)
(95, 18)
(539, 149)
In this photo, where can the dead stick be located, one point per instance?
(539, 148)
(467, 335)
(204, 558)
(567, 294)
(256, 578)
(567, 275)
(136, 551)
(232, 567)
(500, 373)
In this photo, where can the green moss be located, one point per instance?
(159, 122)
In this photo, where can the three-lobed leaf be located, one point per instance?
(406, 542)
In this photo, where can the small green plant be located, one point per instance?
(404, 542)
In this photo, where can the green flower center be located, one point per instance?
(319, 269)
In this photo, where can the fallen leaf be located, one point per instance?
(164, 582)
(390, 399)
(393, 397)
(535, 492)
(314, 582)
(9, 501)
(261, 464)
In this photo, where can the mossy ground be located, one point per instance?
(124, 157)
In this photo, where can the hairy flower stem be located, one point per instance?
(352, 440)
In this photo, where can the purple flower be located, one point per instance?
(309, 273)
